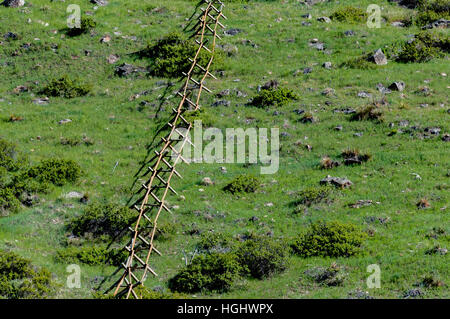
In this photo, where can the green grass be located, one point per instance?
(121, 130)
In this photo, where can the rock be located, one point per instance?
(379, 58)
(232, 32)
(324, 19)
(13, 3)
(221, 103)
(317, 44)
(397, 86)
(113, 58)
(253, 219)
(307, 70)
(299, 111)
(338, 128)
(41, 101)
(364, 95)
(101, 3)
(207, 181)
(306, 24)
(270, 85)
(345, 111)
(105, 39)
(446, 137)
(441, 23)
(327, 65)
(432, 130)
(358, 134)
(361, 203)
(307, 16)
(413, 293)
(126, 69)
(398, 24)
(223, 93)
(20, 89)
(380, 87)
(328, 92)
(74, 195)
(65, 121)
(349, 33)
(403, 123)
(336, 181)
(10, 36)
(229, 49)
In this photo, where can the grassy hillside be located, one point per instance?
(111, 130)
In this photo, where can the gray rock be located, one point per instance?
(307, 70)
(221, 103)
(13, 3)
(349, 33)
(101, 3)
(41, 101)
(324, 19)
(336, 181)
(398, 24)
(223, 93)
(74, 195)
(327, 65)
(10, 36)
(397, 86)
(446, 137)
(441, 23)
(307, 16)
(126, 69)
(232, 32)
(432, 130)
(379, 58)
(364, 95)
(65, 121)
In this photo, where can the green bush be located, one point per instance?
(263, 256)
(331, 276)
(349, 14)
(102, 220)
(145, 293)
(8, 201)
(166, 231)
(65, 87)
(55, 171)
(211, 272)
(10, 158)
(368, 113)
(86, 24)
(313, 195)
(19, 279)
(429, 16)
(270, 97)
(170, 56)
(361, 63)
(424, 47)
(329, 239)
(215, 242)
(92, 256)
(243, 183)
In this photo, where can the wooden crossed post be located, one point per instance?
(155, 190)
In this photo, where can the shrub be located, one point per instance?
(86, 24)
(361, 63)
(263, 256)
(327, 163)
(10, 158)
(102, 220)
(166, 231)
(215, 242)
(349, 14)
(368, 113)
(211, 272)
(55, 171)
(314, 195)
(332, 239)
(66, 87)
(145, 293)
(424, 47)
(354, 156)
(20, 279)
(331, 276)
(91, 256)
(429, 16)
(8, 201)
(170, 56)
(243, 183)
(270, 97)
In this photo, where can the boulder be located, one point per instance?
(13, 3)
(379, 58)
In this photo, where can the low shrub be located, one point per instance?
(355, 157)
(166, 231)
(276, 96)
(331, 276)
(243, 184)
(65, 87)
(145, 293)
(92, 256)
(8, 202)
(361, 63)
(19, 279)
(211, 272)
(424, 47)
(327, 163)
(368, 113)
(215, 242)
(329, 239)
(349, 14)
(108, 220)
(86, 24)
(262, 257)
(55, 171)
(170, 56)
(314, 195)
(10, 158)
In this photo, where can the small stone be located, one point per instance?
(113, 58)
(232, 32)
(41, 101)
(105, 39)
(327, 65)
(397, 86)
(349, 33)
(328, 92)
(336, 181)
(101, 3)
(13, 3)
(268, 204)
(307, 70)
(307, 16)
(324, 19)
(364, 95)
(74, 195)
(223, 93)
(338, 128)
(379, 58)
(398, 24)
(65, 121)
(446, 137)
(221, 103)
(207, 181)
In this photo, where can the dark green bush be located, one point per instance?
(86, 24)
(55, 171)
(349, 14)
(170, 56)
(361, 63)
(92, 255)
(211, 272)
(429, 16)
(424, 47)
(10, 158)
(263, 256)
(215, 242)
(102, 220)
(270, 97)
(243, 183)
(313, 195)
(65, 87)
(19, 279)
(329, 239)
(8, 202)
(368, 113)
